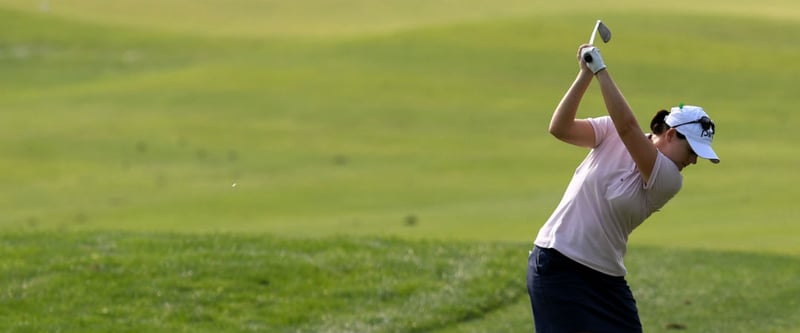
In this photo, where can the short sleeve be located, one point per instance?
(603, 127)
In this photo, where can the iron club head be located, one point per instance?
(602, 29)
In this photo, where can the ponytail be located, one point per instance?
(659, 123)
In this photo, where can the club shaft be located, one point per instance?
(594, 32)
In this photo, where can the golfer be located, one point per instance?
(576, 274)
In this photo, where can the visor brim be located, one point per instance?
(703, 150)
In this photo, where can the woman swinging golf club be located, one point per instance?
(576, 275)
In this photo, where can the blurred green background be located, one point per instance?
(423, 120)
(412, 118)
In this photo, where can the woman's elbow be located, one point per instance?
(560, 132)
(555, 131)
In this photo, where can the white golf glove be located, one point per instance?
(591, 56)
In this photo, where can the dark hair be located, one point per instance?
(659, 124)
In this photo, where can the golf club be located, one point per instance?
(605, 34)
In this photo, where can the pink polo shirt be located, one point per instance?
(605, 200)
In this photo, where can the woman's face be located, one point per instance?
(678, 150)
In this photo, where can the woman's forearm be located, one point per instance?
(641, 149)
(564, 115)
(616, 104)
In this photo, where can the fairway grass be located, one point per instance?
(109, 128)
(145, 282)
(397, 163)
(138, 130)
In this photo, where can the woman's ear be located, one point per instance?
(671, 134)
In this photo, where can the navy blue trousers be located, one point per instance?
(567, 297)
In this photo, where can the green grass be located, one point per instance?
(276, 18)
(422, 122)
(445, 124)
(104, 282)
(156, 282)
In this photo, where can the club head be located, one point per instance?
(605, 34)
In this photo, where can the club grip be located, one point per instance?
(587, 57)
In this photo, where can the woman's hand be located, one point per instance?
(590, 57)
(581, 63)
